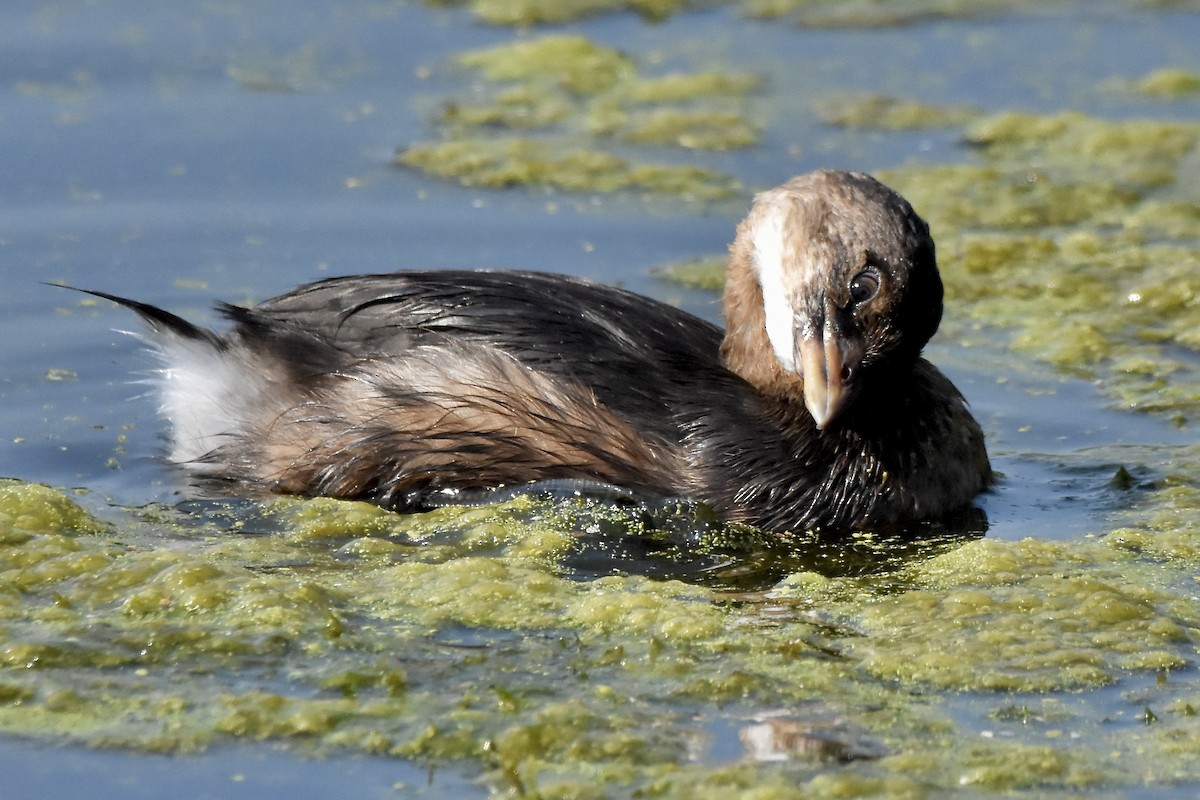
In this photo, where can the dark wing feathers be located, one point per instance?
(565, 327)
(519, 310)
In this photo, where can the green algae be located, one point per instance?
(708, 130)
(27, 508)
(879, 112)
(521, 107)
(684, 87)
(1165, 523)
(1169, 83)
(584, 97)
(571, 62)
(1144, 153)
(1003, 616)
(707, 274)
(868, 14)
(537, 12)
(464, 637)
(996, 197)
(503, 163)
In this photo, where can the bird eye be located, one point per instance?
(864, 286)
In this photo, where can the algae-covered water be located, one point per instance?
(157, 636)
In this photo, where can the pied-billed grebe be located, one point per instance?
(814, 410)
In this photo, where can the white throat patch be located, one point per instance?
(767, 238)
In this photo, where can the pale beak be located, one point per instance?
(827, 361)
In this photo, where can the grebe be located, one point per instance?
(813, 410)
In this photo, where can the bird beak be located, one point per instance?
(827, 359)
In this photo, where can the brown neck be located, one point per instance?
(746, 349)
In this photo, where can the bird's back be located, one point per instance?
(393, 386)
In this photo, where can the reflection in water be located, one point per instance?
(783, 739)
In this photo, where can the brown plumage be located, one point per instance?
(813, 410)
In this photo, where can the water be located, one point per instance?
(187, 152)
(37, 771)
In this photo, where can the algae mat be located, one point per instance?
(459, 637)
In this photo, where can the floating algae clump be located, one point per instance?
(710, 130)
(701, 273)
(478, 592)
(33, 508)
(867, 13)
(984, 197)
(572, 62)
(682, 87)
(499, 163)
(536, 12)
(879, 112)
(519, 107)
(1169, 83)
(1165, 523)
(1144, 153)
(1002, 615)
(585, 95)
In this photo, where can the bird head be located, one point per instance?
(848, 280)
